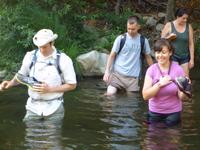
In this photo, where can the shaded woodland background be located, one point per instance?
(82, 25)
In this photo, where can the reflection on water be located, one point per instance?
(119, 114)
(95, 122)
(159, 137)
(43, 135)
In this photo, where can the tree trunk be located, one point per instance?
(170, 10)
(118, 6)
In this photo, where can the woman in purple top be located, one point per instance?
(163, 95)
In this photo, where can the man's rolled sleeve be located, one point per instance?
(147, 49)
(67, 68)
(26, 64)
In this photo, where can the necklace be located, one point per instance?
(161, 71)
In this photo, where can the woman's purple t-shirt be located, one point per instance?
(166, 101)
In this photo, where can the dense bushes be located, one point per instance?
(21, 19)
(81, 26)
(19, 22)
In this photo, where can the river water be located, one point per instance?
(95, 122)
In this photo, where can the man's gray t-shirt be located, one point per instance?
(128, 61)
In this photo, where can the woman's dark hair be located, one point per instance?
(181, 11)
(163, 43)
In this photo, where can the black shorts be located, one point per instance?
(181, 60)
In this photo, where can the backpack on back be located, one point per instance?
(142, 42)
(123, 40)
(34, 60)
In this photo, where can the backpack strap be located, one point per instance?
(142, 53)
(122, 42)
(58, 61)
(34, 58)
(142, 42)
(58, 55)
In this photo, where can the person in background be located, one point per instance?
(45, 97)
(180, 33)
(124, 65)
(163, 95)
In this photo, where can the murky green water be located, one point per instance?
(93, 122)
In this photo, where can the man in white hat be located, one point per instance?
(46, 95)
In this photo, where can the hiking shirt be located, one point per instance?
(166, 100)
(128, 60)
(45, 70)
(181, 43)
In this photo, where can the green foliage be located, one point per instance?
(19, 24)
(103, 38)
(195, 26)
(8, 63)
(21, 19)
(81, 26)
(118, 22)
(106, 41)
(197, 47)
(73, 51)
(89, 34)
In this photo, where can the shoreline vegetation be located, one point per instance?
(76, 27)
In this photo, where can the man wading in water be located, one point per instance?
(54, 72)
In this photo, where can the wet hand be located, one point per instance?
(43, 88)
(191, 64)
(165, 80)
(106, 77)
(4, 85)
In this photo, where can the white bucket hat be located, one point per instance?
(43, 37)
